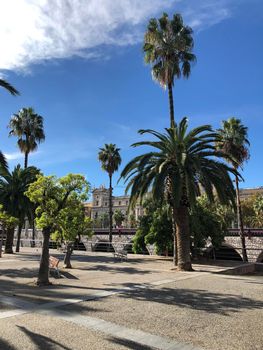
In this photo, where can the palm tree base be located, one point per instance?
(43, 283)
(184, 266)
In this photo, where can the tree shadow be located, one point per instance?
(4, 345)
(129, 344)
(196, 299)
(41, 341)
(116, 269)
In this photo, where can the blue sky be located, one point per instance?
(80, 65)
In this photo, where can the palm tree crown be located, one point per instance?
(110, 158)
(233, 141)
(28, 127)
(181, 166)
(168, 48)
(8, 87)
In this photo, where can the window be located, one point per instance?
(127, 202)
(97, 202)
(119, 202)
(106, 203)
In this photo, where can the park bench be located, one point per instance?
(120, 253)
(53, 265)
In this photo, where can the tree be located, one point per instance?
(8, 87)
(28, 127)
(168, 46)
(52, 195)
(258, 208)
(233, 142)
(119, 217)
(13, 185)
(71, 222)
(7, 222)
(110, 159)
(178, 165)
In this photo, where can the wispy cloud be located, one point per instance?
(13, 156)
(33, 31)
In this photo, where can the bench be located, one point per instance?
(120, 254)
(53, 264)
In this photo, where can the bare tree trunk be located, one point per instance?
(110, 209)
(240, 222)
(20, 226)
(1, 242)
(33, 233)
(171, 105)
(26, 160)
(175, 255)
(69, 250)
(181, 217)
(43, 273)
(9, 240)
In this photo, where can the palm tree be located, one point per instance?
(233, 142)
(28, 127)
(12, 196)
(110, 159)
(180, 164)
(168, 48)
(8, 87)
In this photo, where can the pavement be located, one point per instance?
(142, 303)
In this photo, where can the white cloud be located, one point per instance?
(32, 31)
(13, 156)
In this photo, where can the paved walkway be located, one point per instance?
(140, 304)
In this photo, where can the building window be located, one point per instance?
(106, 203)
(127, 202)
(119, 202)
(97, 203)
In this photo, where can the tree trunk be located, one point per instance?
(181, 218)
(1, 242)
(69, 250)
(240, 222)
(110, 209)
(175, 255)
(26, 160)
(43, 273)
(171, 105)
(9, 241)
(20, 226)
(33, 233)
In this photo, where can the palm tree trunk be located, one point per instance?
(171, 104)
(9, 240)
(43, 273)
(2, 241)
(240, 222)
(20, 226)
(26, 160)
(33, 232)
(69, 250)
(110, 209)
(175, 255)
(181, 218)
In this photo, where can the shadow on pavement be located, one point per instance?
(4, 345)
(129, 344)
(41, 341)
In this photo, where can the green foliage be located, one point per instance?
(7, 221)
(54, 195)
(252, 211)
(119, 217)
(110, 158)
(9, 87)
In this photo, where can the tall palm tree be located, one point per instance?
(8, 87)
(233, 142)
(28, 127)
(12, 196)
(110, 159)
(168, 46)
(180, 164)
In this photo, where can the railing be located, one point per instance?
(249, 232)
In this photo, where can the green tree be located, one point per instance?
(119, 217)
(7, 222)
(4, 84)
(13, 185)
(233, 142)
(178, 165)
(28, 127)
(110, 159)
(52, 195)
(258, 208)
(71, 222)
(168, 46)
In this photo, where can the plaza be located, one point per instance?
(141, 303)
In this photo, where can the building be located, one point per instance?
(100, 205)
(246, 193)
